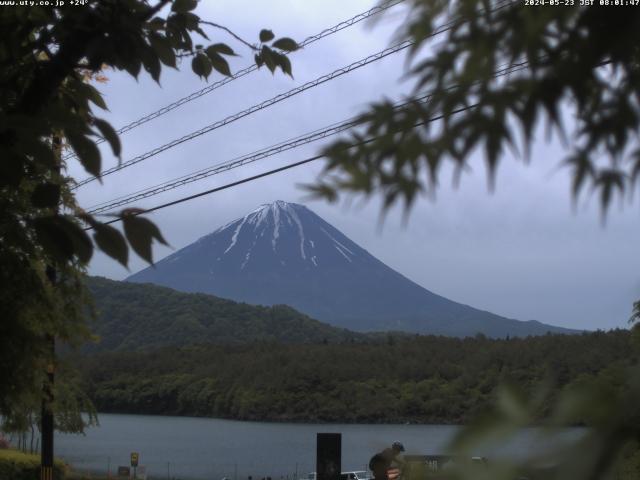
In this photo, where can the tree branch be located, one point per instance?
(186, 54)
(159, 6)
(53, 72)
(237, 37)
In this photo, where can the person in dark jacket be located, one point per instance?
(393, 455)
(378, 466)
(387, 465)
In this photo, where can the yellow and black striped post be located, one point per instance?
(46, 473)
(47, 422)
(46, 452)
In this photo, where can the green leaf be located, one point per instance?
(201, 32)
(283, 62)
(608, 181)
(163, 49)
(132, 65)
(140, 233)
(582, 171)
(182, 6)
(258, 59)
(266, 35)
(109, 134)
(218, 62)
(88, 92)
(63, 238)
(87, 152)
(201, 65)
(111, 242)
(95, 97)
(635, 171)
(83, 248)
(41, 153)
(53, 239)
(287, 44)
(191, 22)
(513, 405)
(46, 195)
(268, 58)
(12, 170)
(156, 24)
(151, 62)
(222, 48)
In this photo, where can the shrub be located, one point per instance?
(16, 465)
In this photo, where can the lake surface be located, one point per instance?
(202, 448)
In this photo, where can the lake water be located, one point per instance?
(202, 448)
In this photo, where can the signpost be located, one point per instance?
(124, 472)
(134, 462)
(141, 472)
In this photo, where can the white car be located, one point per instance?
(357, 475)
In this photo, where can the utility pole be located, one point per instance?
(46, 452)
(46, 428)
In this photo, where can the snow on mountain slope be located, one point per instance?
(283, 253)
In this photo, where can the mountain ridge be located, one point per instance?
(145, 316)
(283, 253)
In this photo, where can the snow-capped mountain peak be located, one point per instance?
(283, 253)
(291, 230)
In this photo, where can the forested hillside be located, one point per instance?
(132, 316)
(420, 379)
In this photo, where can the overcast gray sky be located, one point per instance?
(521, 251)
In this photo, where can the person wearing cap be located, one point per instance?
(387, 464)
(379, 466)
(393, 455)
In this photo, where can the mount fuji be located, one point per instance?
(283, 253)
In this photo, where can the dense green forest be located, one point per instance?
(418, 379)
(132, 316)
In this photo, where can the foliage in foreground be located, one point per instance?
(16, 465)
(49, 56)
(607, 404)
(424, 379)
(571, 61)
(73, 411)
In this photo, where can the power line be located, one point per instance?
(504, 71)
(247, 70)
(265, 104)
(279, 98)
(286, 145)
(290, 144)
(255, 108)
(264, 174)
(222, 167)
(272, 172)
(499, 73)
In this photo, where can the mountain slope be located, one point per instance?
(133, 317)
(283, 253)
